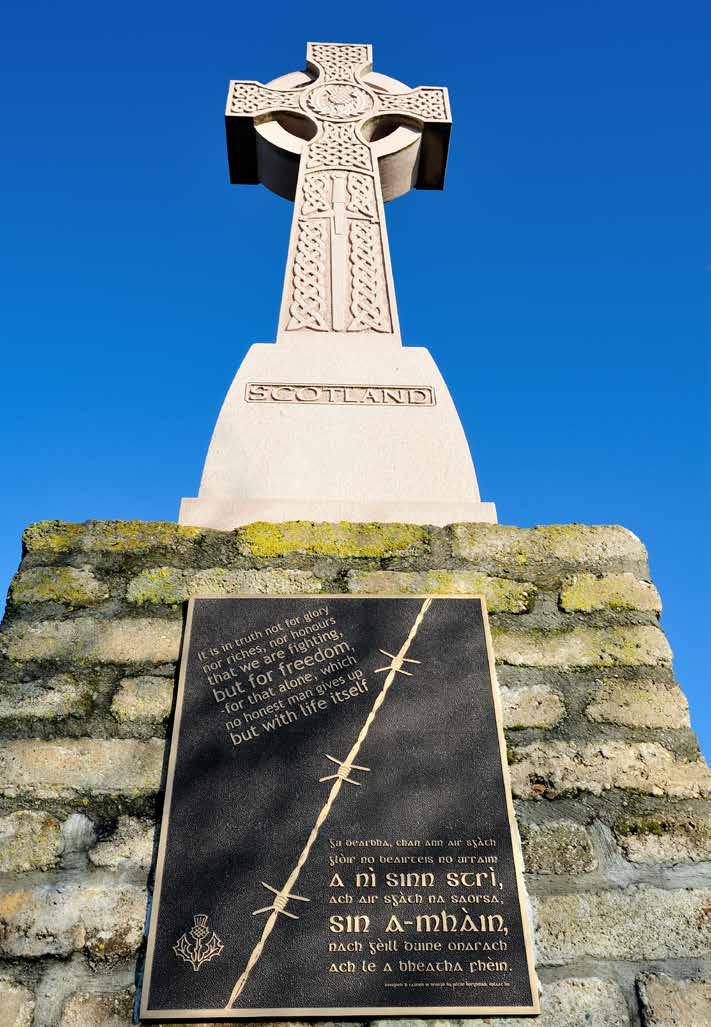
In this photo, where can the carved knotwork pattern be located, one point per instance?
(425, 103)
(338, 147)
(339, 60)
(317, 194)
(361, 193)
(368, 303)
(308, 307)
(251, 98)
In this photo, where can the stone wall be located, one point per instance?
(611, 793)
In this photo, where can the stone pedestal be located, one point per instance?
(325, 431)
(611, 794)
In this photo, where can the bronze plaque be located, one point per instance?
(337, 833)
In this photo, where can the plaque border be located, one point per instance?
(338, 1012)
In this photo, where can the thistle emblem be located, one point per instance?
(198, 951)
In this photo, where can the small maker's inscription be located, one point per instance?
(362, 395)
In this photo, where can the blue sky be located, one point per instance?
(559, 280)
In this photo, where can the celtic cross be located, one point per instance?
(338, 139)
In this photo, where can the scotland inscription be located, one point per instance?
(337, 836)
(363, 395)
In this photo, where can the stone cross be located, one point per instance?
(338, 420)
(354, 136)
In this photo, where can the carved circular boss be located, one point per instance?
(339, 101)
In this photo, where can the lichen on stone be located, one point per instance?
(72, 586)
(587, 592)
(342, 540)
(52, 536)
(502, 594)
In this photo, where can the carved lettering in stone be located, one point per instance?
(363, 395)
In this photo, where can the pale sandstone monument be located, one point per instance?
(337, 420)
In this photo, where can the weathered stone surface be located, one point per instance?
(581, 1002)
(131, 845)
(665, 838)
(17, 1004)
(72, 768)
(586, 592)
(57, 920)
(639, 704)
(583, 647)
(53, 699)
(531, 706)
(667, 1002)
(502, 595)
(91, 1009)
(564, 768)
(557, 847)
(144, 700)
(109, 536)
(52, 537)
(75, 587)
(342, 540)
(622, 924)
(548, 553)
(29, 841)
(170, 585)
(571, 1002)
(89, 640)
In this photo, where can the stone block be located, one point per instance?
(171, 586)
(131, 845)
(104, 921)
(17, 1004)
(29, 841)
(90, 640)
(580, 1002)
(639, 704)
(549, 553)
(502, 595)
(583, 593)
(623, 923)
(531, 706)
(129, 537)
(98, 1009)
(72, 586)
(571, 1002)
(145, 700)
(666, 1002)
(52, 699)
(557, 847)
(643, 646)
(342, 540)
(74, 768)
(559, 768)
(665, 837)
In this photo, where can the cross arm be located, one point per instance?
(429, 107)
(246, 103)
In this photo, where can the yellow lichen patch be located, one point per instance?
(502, 595)
(587, 592)
(342, 540)
(75, 587)
(137, 536)
(52, 536)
